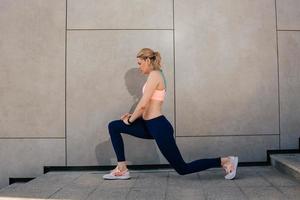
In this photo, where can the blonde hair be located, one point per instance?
(154, 57)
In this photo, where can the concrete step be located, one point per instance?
(11, 186)
(287, 163)
(41, 187)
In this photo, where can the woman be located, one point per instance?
(147, 122)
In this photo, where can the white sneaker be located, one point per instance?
(115, 175)
(234, 160)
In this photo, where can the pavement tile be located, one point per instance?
(41, 187)
(73, 192)
(151, 180)
(30, 192)
(251, 178)
(292, 192)
(263, 193)
(181, 181)
(11, 187)
(184, 193)
(279, 179)
(53, 179)
(230, 193)
(110, 184)
(88, 180)
(116, 193)
(146, 194)
(214, 178)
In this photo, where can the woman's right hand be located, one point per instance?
(125, 115)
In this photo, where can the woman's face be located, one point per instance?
(144, 65)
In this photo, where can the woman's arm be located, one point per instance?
(150, 87)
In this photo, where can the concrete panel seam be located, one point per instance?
(278, 77)
(66, 26)
(174, 81)
(116, 29)
(271, 134)
(29, 138)
(287, 30)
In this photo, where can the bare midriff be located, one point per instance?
(152, 110)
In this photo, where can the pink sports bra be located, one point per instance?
(158, 94)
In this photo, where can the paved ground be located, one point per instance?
(251, 183)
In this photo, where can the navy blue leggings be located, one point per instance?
(161, 130)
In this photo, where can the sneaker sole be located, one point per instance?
(117, 178)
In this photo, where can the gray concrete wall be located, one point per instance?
(32, 82)
(67, 68)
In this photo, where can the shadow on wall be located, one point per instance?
(137, 150)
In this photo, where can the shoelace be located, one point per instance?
(228, 170)
(118, 172)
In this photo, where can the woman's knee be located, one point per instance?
(180, 172)
(180, 169)
(113, 125)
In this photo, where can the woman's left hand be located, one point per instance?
(125, 120)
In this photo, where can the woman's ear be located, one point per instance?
(148, 61)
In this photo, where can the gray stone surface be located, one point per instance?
(229, 193)
(103, 84)
(288, 14)
(263, 193)
(152, 180)
(26, 157)
(43, 186)
(119, 14)
(72, 192)
(243, 146)
(109, 194)
(11, 187)
(146, 193)
(289, 73)
(186, 193)
(32, 68)
(226, 74)
(279, 180)
(251, 179)
(214, 178)
(292, 193)
(156, 184)
(176, 181)
(287, 163)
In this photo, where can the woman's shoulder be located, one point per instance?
(156, 77)
(155, 74)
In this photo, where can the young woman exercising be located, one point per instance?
(147, 122)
